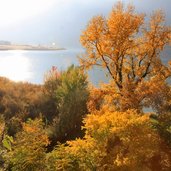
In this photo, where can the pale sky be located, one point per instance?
(60, 21)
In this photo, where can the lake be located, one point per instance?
(30, 66)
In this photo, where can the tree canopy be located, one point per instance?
(129, 48)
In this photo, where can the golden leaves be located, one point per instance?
(129, 49)
(113, 140)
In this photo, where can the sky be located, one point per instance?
(60, 21)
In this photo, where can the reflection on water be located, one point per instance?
(31, 66)
(15, 66)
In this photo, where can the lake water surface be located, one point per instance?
(31, 66)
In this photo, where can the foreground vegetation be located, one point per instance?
(66, 124)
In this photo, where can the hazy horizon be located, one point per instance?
(60, 21)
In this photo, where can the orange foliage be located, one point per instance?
(129, 49)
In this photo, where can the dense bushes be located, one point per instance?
(118, 134)
(60, 102)
(18, 98)
(113, 141)
(29, 147)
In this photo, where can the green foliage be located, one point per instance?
(2, 127)
(5, 145)
(28, 151)
(67, 94)
(6, 142)
(49, 100)
(60, 159)
(72, 96)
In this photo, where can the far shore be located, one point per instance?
(28, 47)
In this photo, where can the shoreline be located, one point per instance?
(28, 47)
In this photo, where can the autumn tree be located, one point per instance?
(129, 49)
